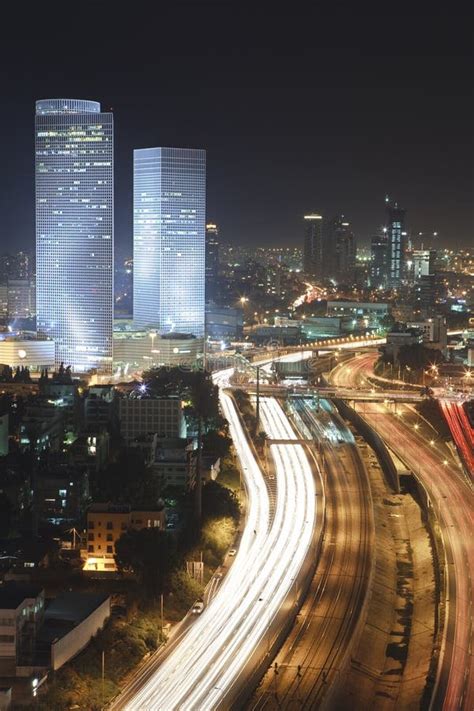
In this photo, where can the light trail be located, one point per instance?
(204, 668)
(461, 431)
(453, 502)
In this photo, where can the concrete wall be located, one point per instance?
(79, 637)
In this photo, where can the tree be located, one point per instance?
(185, 588)
(418, 357)
(261, 439)
(127, 479)
(217, 442)
(197, 387)
(150, 554)
(219, 501)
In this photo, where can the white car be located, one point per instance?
(232, 552)
(198, 607)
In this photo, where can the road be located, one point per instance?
(453, 501)
(205, 669)
(318, 645)
(461, 431)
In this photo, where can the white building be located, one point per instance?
(32, 353)
(21, 612)
(143, 349)
(74, 230)
(423, 263)
(169, 205)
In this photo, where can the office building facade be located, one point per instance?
(75, 230)
(313, 246)
(339, 250)
(169, 206)
(379, 262)
(212, 261)
(423, 263)
(397, 239)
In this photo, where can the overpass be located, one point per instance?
(331, 392)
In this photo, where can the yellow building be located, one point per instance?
(106, 523)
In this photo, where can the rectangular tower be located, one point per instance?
(397, 238)
(212, 261)
(75, 230)
(313, 246)
(169, 239)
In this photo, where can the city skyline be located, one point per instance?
(345, 123)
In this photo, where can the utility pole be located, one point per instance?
(257, 413)
(161, 611)
(103, 677)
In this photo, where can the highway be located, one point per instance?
(453, 501)
(461, 431)
(208, 666)
(318, 645)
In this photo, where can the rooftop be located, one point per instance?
(109, 507)
(66, 612)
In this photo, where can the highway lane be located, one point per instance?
(461, 431)
(453, 501)
(204, 669)
(317, 647)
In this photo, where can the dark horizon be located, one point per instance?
(325, 110)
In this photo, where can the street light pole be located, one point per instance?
(257, 409)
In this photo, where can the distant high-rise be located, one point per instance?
(169, 206)
(313, 246)
(379, 261)
(74, 230)
(212, 261)
(339, 250)
(397, 238)
(423, 263)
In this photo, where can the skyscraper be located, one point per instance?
(339, 250)
(313, 246)
(74, 230)
(379, 261)
(212, 261)
(397, 238)
(169, 206)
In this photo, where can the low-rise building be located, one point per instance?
(107, 522)
(21, 613)
(141, 349)
(434, 332)
(42, 425)
(156, 415)
(399, 336)
(29, 352)
(70, 622)
(173, 461)
(364, 314)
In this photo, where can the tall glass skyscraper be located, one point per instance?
(75, 230)
(169, 242)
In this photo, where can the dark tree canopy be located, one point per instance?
(150, 554)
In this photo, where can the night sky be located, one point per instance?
(325, 109)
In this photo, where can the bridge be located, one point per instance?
(330, 392)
